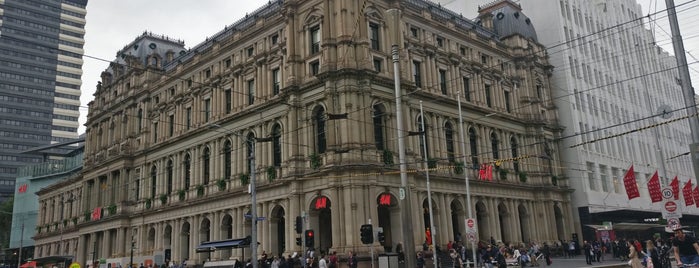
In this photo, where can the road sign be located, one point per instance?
(667, 193)
(470, 223)
(471, 237)
(670, 211)
(672, 223)
(401, 193)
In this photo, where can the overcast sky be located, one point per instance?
(113, 24)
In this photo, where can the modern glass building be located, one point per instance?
(41, 48)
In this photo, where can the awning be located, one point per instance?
(52, 259)
(230, 243)
(626, 226)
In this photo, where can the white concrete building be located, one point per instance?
(611, 78)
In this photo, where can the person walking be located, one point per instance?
(634, 261)
(587, 249)
(685, 247)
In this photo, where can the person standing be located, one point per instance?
(420, 260)
(352, 260)
(685, 247)
(587, 249)
(634, 261)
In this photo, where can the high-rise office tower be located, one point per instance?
(617, 92)
(41, 48)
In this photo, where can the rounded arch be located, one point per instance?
(206, 164)
(276, 134)
(184, 239)
(560, 222)
(150, 238)
(457, 216)
(449, 140)
(494, 145)
(514, 150)
(226, 232)
(504, 217)
(277, 224)
(524, 223)
(249, 151)
(430, 235)
(227, 159)
(319, 128)
(205, 230)
(187, 170)
(320, 213)
(167, 236)
(379, 118)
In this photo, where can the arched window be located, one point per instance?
(227, 158)
(424, 145)
(277, 145)
(449, 137)
(379, 118)
(250, 152)
(140, 119)
(515, 154)
(319, 125)
(153, 182)
(187, 171)
(473, 142)
(494, 145)
(206, 159)
(169, 176)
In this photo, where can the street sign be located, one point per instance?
(470, 223)
(667, 193)
(471, 237)
(401, 193)
(670, 211)
(672, 223)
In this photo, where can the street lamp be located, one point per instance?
(253, 192)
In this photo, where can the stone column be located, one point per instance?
(216, 232)
(194, 239)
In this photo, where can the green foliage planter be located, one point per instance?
(112, 209)
(221, 183)
(87, 215)
(431, 163)
(148, 203)
(181, 194)
(244, 179)
(200, 190)
(38, 229)
(554, 180)
(75, 220)
(65, 222)
(522, 176)
(503, 174)
(315, 161)
(271, 173)
(459, 168)
(387, 158)
(163, 199)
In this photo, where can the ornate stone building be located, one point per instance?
(299, 96)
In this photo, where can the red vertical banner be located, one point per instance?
(481, 172)
(675, 184)
(695, 194)
(654, 191)
(489, 172)
(687, 193)
(630, 184)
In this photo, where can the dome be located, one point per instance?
(508, 19)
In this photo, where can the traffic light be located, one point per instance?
(309, 238)
(381, 237)
(299, 225)
(298, 241)
(367, 233)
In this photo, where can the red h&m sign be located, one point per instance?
(385, 200)
(22, 189)
(96, 213)
(321, 202)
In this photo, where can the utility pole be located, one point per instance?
(404, 191)
(686, 82)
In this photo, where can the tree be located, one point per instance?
(6, 222)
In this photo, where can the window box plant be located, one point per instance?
(271, 173)
(181, 194)
(200, 190)
(244, 179)
(163, 199)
